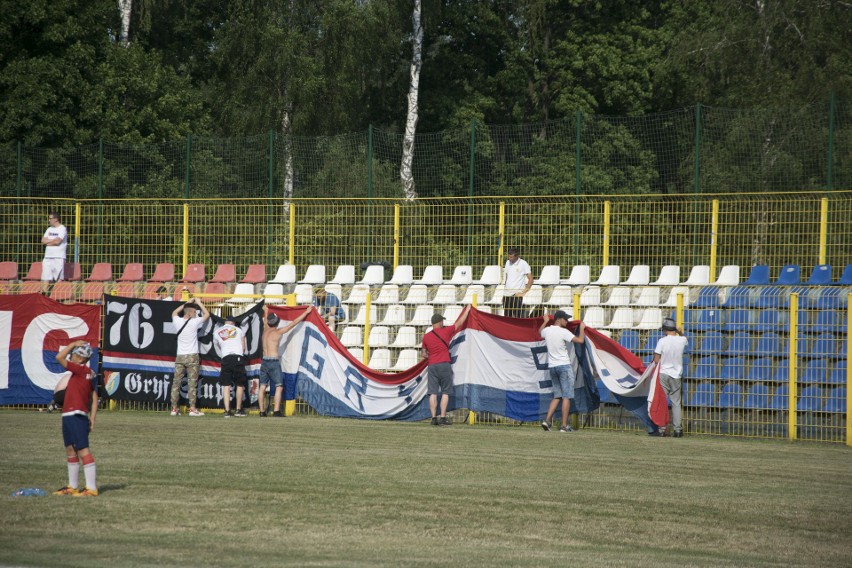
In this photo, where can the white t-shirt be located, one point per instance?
(56, 251)
(560, 350)
(515, 276)
(670, 349)
(229, 340)
(187, 340)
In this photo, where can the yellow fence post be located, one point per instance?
(185, 236)
(290, 300)
(793, 370)
(606, 233)
(576, 307)
(501, 234)
(291, 257)
(367, 309)
(395, 236)
(679, 311)
(714, 232)
(848, 370)
(77, 232)
(823, 228)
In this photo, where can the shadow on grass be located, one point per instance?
(114, 487)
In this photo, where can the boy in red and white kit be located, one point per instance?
(76, 420)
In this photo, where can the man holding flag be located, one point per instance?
(669, 356)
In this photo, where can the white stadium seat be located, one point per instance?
(652, 318)
(286, 274)
(422, 315)
(417, 294)
(640, 275)
(394, 315)
(352, 336)
(361, 316)
(315, 274)
(407, 359)
(669, 276)
(374, 275)
(699, 276)
(357, 353)
(648, 296)
(594, 317)
(610, 276)
(359, 294)
(406, 336)
(380, 360)
(269, 293)
(534, 297)
(403, 275)
(618, 296)
(451, 314)
(590, 296)
(388, 294)
(490, 276)
(581, 275)
(245, 289)
(497, 297)
(446, 294)
(432, 276)
(477, 290)
(304, 294)
(549, 276)
(622, 318)
(672, 299)
(379, 336)
(562, 296)
(462, 276)
(728, 276)
(345, 274)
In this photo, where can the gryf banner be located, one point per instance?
(33, 329)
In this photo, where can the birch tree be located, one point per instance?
(405, 172)
(124, 8)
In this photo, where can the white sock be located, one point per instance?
(74, 474)
(89, 472)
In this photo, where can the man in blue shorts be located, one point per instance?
(560, 361)
(329, 307)
(270, 367)
(80, 393)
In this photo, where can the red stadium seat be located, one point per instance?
(92, 292)
(62, 291)
(30, 288)
(101, 272)
(133, 272)
(8, 271)
(194, 273)
(255, 274)
(34, 272)
(126, 289)
(164, 272)
(73, 272)
(215, 288)
(225, 273)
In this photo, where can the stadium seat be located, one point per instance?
(337, 290)
(92, 292)
(379, 336)
(704, 395)
(477, 290)
(824, 346)
(195, 273)
(422, 315)
(225, 274)
(594, 317)
(760, 370)
(315, 274)
(101, 272)
(490, 276)
(810, 399)
(780, 398)
(738, 297)
(610, 276)
(30, 288)
(837, 376)
(247, 288)
(344, 275)
(361, 315)
(417, 294)
(534, 297)
(704, 368)
(829, 321)
(789, 276)
(484, 309)
(815, 371)
(34, 273)
(737, 320)
(446, 294)
(403, 275)
(394, 315)
(622, 318)
(731, 397)
(769, 320)
(651, 342)
(618, 296)
(648, 296)
(73, 272)
(704, 320)
(708, 297)
(380, 359)
(845, 278)
(407, 359)
(216, 288)
(62, 291)
(699, 276)
(711, 343)
(549, 276)
(590, 296)
(827, 299)
(733, 369)
(452, 313)
(149, 292)
(286, 274)
(820, 276)
(651, 318)
(406, 336)
(163, 272)
(581, 275)
(669, 276)
(740, 344)
(432, 276)
(836, 401)
(8, 271)
(304, 294)
(125, 289)
(769, 297)
(388, 293)
(133, 272)
(256, 274)
(759, 276)
(728, 276)
(462, 276)
(358, 295)
(352, 336)
(640, 275)
(629, 339)
(757, 398)
(374, 275)
(671, 301)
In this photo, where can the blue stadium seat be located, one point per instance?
(838, 373)
(740, 344)
(738, 320)
(790, 275)
(810, 399)
(815, 371)
(759, 275)
(779, 399)
(738, 297)
(733, 369)
(824, 346)
(629, 339)
(732, 396)
(708, 297)
(711, 342)
(704, 320)
(704, 368)
(768, 345)
(704, 395)
(828, 299)
(760, 370)
(604, 393)
(757, 398)
(770, 320)
(651, 343)
(770, 297)
(821, 275)
(829, 321)
(782, 370)
(846, 277)
(836, 402)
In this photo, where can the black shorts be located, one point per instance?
(233, 371)
(439, 379)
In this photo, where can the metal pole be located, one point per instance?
(501, 233)
(696, 182)
(185, 236)
(714, 232)
(369, 192)
(470, 191)
(292, 255)
(792, 369)
(270, 224)
(577, 154)
(100, 192)
(188, 150)
(606, 233)
(823, 229)
(830, 171)
(395, 236)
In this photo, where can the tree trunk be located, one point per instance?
(125, 7)
(288, 160)
(405, 172)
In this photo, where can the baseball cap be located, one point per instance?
(437, 318)
(561, 315)
(84, 351)
(669, 325)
